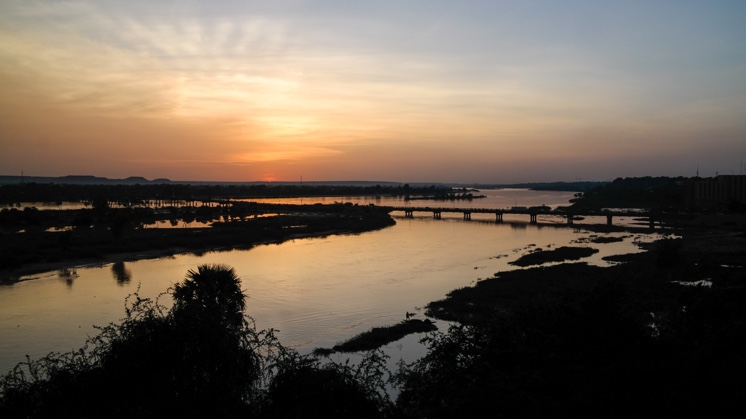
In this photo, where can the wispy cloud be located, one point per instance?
(294, 83)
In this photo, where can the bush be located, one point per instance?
(595, 350)
(197, 358)
(307, 387)
(201, 358)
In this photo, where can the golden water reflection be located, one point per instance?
(316, 292)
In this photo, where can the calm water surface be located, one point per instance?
(316, 292)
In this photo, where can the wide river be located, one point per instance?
(317, 291)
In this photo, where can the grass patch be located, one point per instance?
(380, 336)
(604, 240)
(557, 255)
(600, 239)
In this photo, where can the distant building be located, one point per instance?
(717, 192)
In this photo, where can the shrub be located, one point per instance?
(201, 358)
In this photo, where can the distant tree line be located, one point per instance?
(577, 186)
(665, 193)
(140, 194)
(451, 196)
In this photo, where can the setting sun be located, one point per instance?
(386, 91)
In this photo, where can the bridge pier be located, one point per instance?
(499, 212)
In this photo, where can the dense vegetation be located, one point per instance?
(591, 351)
(612, 342)
(663, 193)
(201, 358)
(548, 186)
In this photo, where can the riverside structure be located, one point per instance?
(532, 212)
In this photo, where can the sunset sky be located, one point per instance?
(409, 91)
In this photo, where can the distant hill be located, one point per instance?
(138, 180)
(79, 180)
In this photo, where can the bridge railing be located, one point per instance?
(570, 215)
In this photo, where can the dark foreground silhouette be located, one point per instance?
(201, 358)
(380, 336)
(565, 340)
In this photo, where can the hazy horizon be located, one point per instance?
(304, 181)
(419, 91)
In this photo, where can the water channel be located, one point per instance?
(316, 291)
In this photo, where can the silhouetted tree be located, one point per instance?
(306, 387)
(201, 358)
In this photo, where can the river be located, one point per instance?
(316, 291)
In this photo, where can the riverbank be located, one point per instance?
(380, 336)
(658, 276)
(661, 333)
(560, 254)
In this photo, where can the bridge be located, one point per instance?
(532, 212)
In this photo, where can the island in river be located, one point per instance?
(42, 240)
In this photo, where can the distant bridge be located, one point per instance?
(532, 212)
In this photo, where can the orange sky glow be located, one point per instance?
(415, 91)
